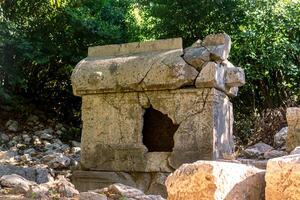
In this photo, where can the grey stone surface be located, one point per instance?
(38, 175)
(274, 154)
(16, 181)
(219, 46)
(211, 76)
(295, 151)
(257, 150)
(12, 125)
(124, 151)
(280, 137)
(56, 160)
(4, 137)
(196, 56)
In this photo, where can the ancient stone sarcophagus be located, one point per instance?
(149, 107)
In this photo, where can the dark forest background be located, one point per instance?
(41, 42)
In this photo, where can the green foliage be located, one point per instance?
(42, 42)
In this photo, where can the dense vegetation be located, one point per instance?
(41, 42)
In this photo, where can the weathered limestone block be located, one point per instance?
(231, 91)
(293, 120)
(211, 76)
(112, 71)
(205, 129)
(283, 178)
(235, 77)
(196, 56)
(211, 180)
(218, 45)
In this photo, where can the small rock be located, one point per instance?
(12, 125)
(123, 191)
(30, 151)
(12, 143)
(295, 151)
(49, 131)
(36, 141)
(46, 136)
(91, 196)
(4, 137)
(75, 143)
(14, 180)
(274, 154)
(26, 138)
(58, 141)
(75, 150)
(56, 160)
(280, 137)
(257, 150)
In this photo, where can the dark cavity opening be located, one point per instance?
(158, 131)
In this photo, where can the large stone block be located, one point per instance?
(113, 125)
(213, 180)
(283, 178)
(196, 56)
(218, 45)
(122, 69)
(293, 120)
(211, 76)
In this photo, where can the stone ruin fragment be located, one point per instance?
(149, 107)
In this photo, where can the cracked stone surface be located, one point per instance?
(158, 65)
(283, 178)
(215, 180)
(153, 70)
(203, 131)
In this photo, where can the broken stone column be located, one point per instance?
(283, 178)
(213, 180)
(293, 120)
(147, 109)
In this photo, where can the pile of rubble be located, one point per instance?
(32, 153)
(285, 142)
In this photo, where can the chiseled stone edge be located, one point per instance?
(135, 47)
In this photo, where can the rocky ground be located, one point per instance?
(36, 161)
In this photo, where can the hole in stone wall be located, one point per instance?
(158, 131)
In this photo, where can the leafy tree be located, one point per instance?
(42, 42)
